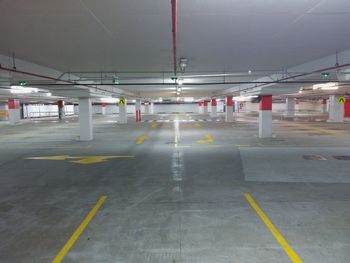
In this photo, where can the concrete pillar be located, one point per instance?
(123, 113)
(205, 107)
(290, 107)
(152, 108)
(138, 110)
(324, 106)
(4, 112)
(85, 119)
(61, 110)
(14, 111)
(214, 108)
(76, 109)
(297, 104)
(200, 107)
(265, 116)
(147, 108)
(229, 109)
(336, 109)
(103, 109)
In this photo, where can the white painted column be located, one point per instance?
(85, 119)
(265, 117)
(147, 108)
(138, 110)
(61, 110)
(214, 108)
(14, 111)
(4, 111)
(324, 106)
(336, 109)
(123, 113)
(290, 107)
(229, 109)
(152, 108)
(103, 108)
(297, 104)
(205, 107)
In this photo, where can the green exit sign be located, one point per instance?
(116, 81)
(22, 83)
(325, 75)
(174, 78)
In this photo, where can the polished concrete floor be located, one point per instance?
(178, 195)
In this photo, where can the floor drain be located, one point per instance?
(314, 157)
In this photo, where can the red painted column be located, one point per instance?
(265, 116)
(347, 108)
(229, 109)
(103, 109)
(14, 111)
(205, 107)
(214, 108)
(324, 106)
(61, 112)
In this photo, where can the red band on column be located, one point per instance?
(13, 104)
(104, 104)
(60, 103)
(229, 101)
(200, 104)
(297, 101)
(266, 102)
(324, 101)
(213, 102)
(205, 103)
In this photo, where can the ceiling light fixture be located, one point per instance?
(183, 64)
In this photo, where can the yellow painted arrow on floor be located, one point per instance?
(141, 139)
(80, 159)
(208, 140)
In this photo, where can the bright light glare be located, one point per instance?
(49, 94)
(326, 86)
(110, 100)
(189, 99)
(23, 90)
(180, 81)
(160, 99)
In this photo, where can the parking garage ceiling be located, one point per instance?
(135, 36)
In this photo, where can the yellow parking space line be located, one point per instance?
(287, 248)
(198, 125)
(208, 140)
(81, 159)
(154, 125)
(141, 139)
(63, 252)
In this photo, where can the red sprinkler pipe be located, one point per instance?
(174, 29)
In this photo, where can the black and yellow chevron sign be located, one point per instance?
(341, 100)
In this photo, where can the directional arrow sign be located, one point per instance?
(341, 100)
(122, 102)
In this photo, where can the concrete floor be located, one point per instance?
(177, 200)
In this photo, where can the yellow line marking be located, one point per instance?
(82, 159)
(154, 125)
(79, 231)
(208, 140)
(198, 125)
(287, 248)
(141, 139)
